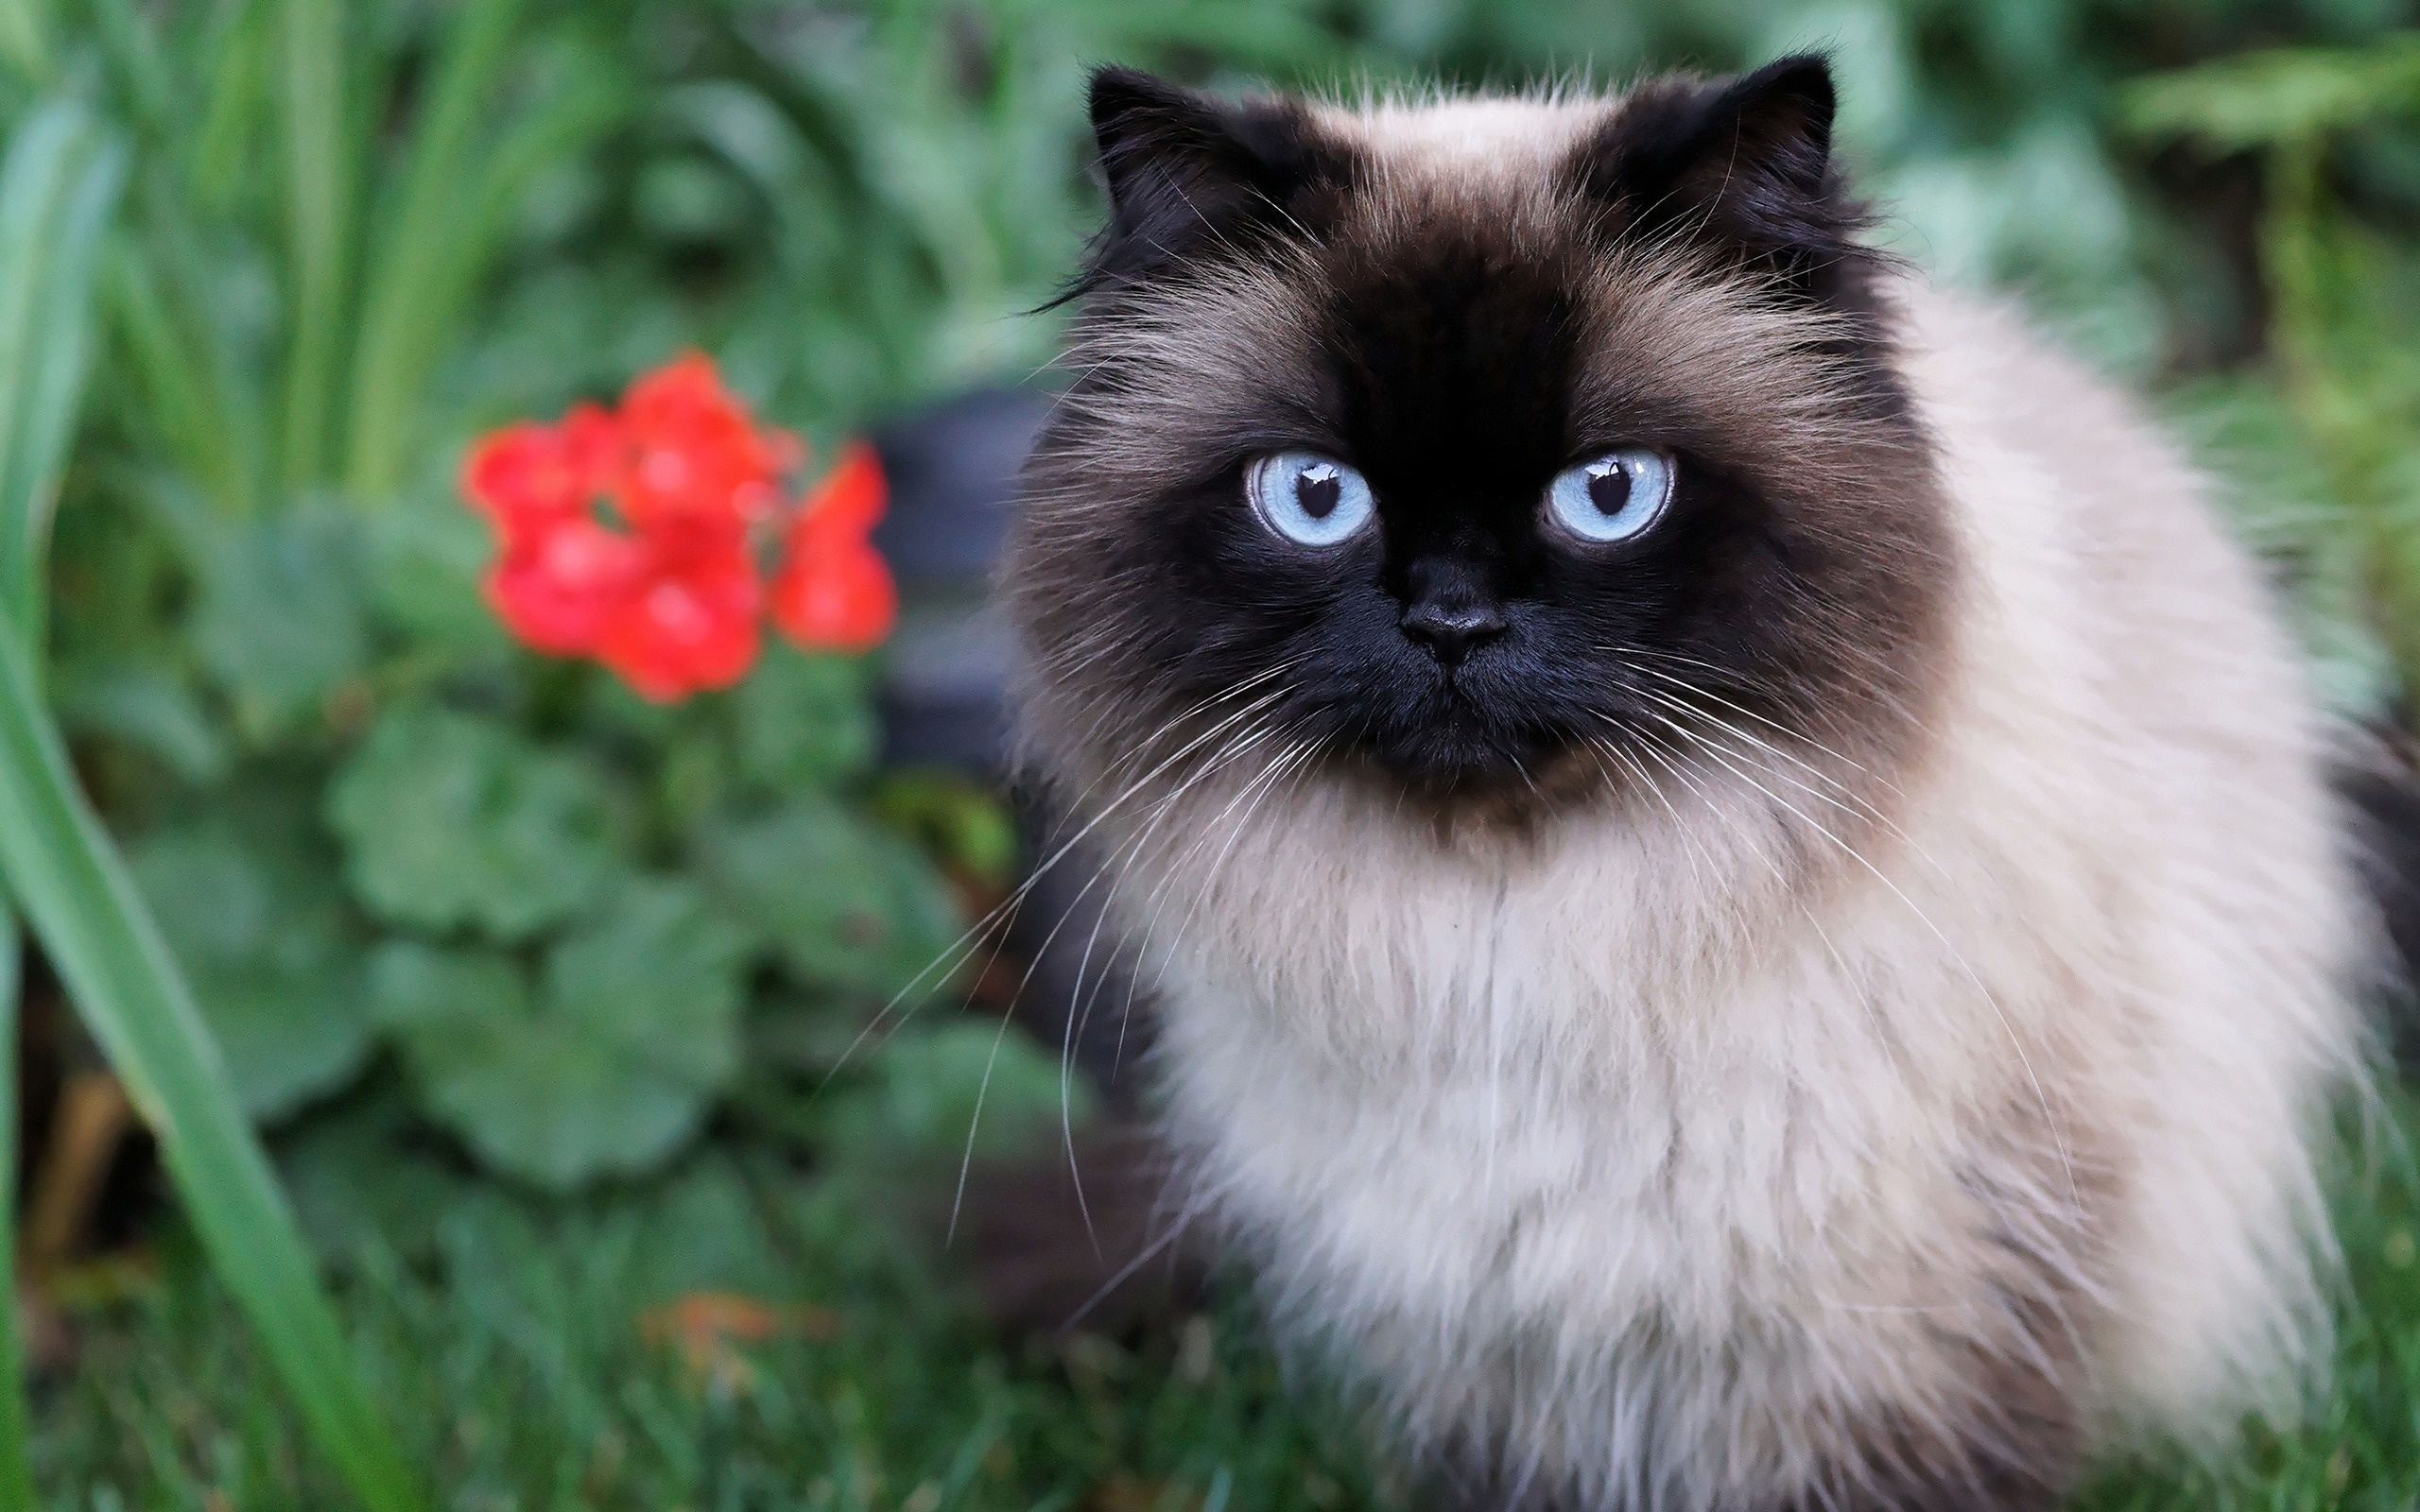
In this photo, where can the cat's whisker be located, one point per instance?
(963, 949)
(1700, 691)
(1265, 781)
(1841, 798)
(1905, 715)
(1080, 1006)
(1024, 984)
(1639, 777)
(1675, 762)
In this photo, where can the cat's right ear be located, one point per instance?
(1187, 172)
(1743, 166)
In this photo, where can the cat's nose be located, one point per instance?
(1450, 624)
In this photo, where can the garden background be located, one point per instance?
(448, 1078)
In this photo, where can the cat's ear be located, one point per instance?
(1744, 164)
(1186, 171)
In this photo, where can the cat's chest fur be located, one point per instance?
(1537, 1093)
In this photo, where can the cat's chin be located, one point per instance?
(1464, 770)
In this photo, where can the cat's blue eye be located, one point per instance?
(1613, 497)
(1310, 499)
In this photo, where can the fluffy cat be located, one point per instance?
(1739, 879)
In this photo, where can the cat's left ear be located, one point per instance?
(1743, 166)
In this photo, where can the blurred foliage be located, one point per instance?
(2334, 409)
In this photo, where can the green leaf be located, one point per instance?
(185, 398)
(131, 44)
(804, 720)
(273, 967)
(453, 820)
(71, 882)
(413, 295)
(472, 161)
(280, 622)
(606, 1068)
(151, 709)
(320, 193)
(2255, 99)
(363, 1176)
(425, 558)
(123, 981)
(57, 190)
(842, 903)
(234, 54)
(24, 37)
(940, 1093)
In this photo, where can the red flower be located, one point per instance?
(528, 478)
(689, 625)
(841, 600)
(833, 589)
(558, 589)
(696, 455)
(630, 535)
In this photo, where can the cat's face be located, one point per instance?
(1479, 447)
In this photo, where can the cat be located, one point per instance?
(1739, 879)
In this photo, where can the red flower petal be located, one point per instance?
(592, 443)
(696, 452)
(851, 498)
(558, 590)
(688, 625)
(834, 595)
(523, 479)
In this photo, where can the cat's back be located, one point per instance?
(2127, 694)
(2078, 511)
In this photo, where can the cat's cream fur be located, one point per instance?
(1685, 1145)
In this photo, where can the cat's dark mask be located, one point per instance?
(1401, 336)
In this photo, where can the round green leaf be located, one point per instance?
(452, 820)
(606, 1068)
(804, 720)
(280, 620)
(941, 1092)
(269, 960)
(842, 903)
(425, 559)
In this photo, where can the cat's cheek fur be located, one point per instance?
(1877, 1103)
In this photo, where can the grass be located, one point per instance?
(522, 1351)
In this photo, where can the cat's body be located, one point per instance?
(1885, 1058)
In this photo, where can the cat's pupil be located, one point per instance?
(1609, 490)
(1317, 489)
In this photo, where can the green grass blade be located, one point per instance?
(16, 1468)
(100, 938)
(58, 187)
(185, 397)
(318, 190)
(230, 51)
(413, 300)
(132, 46)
